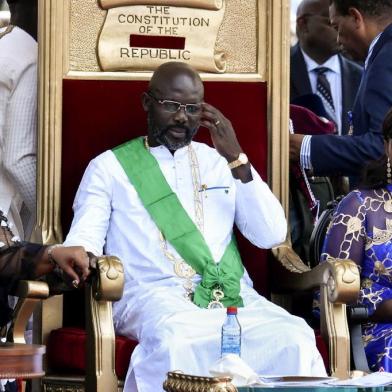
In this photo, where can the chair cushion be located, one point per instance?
(66, 351)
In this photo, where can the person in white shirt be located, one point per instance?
(166, 205)
(18, 116)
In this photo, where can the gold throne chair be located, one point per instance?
(86, 107)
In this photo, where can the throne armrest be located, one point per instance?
(104, 285)
(108, 284)
(339, 277)
(18, 359)
(30, 293)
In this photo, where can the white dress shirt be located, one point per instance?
(107, 209)
(371, 47)
(18, 128)
(334, 77)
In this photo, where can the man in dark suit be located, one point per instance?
(365, 31)
(317, 48)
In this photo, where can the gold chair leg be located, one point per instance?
(100, 372)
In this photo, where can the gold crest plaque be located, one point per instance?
(141, 35)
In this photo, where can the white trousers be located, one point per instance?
(174, 334)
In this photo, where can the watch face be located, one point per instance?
(243, 158)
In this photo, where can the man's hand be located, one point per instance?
(224, 139)
(295, 147)
(73, 260)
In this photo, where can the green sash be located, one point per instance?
(178, 228)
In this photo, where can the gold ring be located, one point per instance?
(217, 122)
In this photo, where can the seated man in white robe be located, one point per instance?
(166, 206)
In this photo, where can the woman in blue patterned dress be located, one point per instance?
(361, 230)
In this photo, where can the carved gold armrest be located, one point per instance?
(109, 282)
(30, 293)
(180, 382)
(340, 277)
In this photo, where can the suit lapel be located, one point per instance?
(299, 73)
(348, 93)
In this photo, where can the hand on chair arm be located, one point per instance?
(73, 260)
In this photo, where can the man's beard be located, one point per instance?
(160, 135)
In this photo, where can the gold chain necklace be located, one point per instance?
(181, 268)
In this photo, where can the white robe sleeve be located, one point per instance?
(259, 215)
(92, 208)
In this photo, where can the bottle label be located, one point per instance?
(231, 344)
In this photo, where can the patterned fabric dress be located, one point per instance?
(361, 230)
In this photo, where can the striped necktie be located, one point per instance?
(324, 91)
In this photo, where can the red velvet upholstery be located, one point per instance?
(98, 115)
(323, 349)
(66, 351)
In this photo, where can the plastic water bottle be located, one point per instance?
(231, 333)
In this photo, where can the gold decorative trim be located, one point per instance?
(109, 284)
(180, 382)
(208, 4)
(21, 375)
(100, 345)
(30, 294)
(62, 384)
(32, 289)
(278, 51)
(51, 38)
(58, 383)
(226, 77)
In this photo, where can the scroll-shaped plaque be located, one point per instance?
(207, 4)
(141, 35)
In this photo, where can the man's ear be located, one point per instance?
(356, 16)
(146, 101)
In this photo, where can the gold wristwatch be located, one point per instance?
(241, 160)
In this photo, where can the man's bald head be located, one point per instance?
(315, 34)
(167, 72)
(312, 7)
